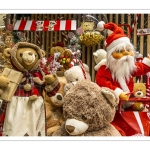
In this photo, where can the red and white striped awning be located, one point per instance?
(34, 25)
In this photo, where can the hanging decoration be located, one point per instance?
(47, 25)
(73, 43)
(90, 36)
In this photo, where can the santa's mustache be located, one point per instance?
(126, 58)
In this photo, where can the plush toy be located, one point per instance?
(25, 114)
(88, 110)
(64, 57)
(121, 67)
(53, 105)
(4, 82)
(139, 92)
(75, 74)
(99, 58)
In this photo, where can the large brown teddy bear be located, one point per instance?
(25, 113)
(88, 110)
(53, 105)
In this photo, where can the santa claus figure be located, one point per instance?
(121, 66)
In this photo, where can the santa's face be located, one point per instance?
(119, 54)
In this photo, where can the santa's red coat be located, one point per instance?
(104, 77)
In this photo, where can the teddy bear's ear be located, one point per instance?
(43, 53)
(95, 54)
(7, 52)
(110, 96)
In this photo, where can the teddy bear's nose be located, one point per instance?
(59, 97)
(70, 128)
(30, 53)
(139, 93)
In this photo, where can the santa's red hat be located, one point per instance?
(116, 35)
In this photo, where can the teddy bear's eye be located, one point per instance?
(76, 79)
(20, 54)
(83, 117)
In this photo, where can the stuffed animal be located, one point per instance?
(53, 105)
(99, 58)
(58, 47)
(75, 74)
(25, 114)
(89, 111)
(139, 92)
(64, 57)
(4, 82)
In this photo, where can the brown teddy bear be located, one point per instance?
(88, 110)
(53, 105)
(139, 92)
(64, 56)
(25, 113)
(58, 47)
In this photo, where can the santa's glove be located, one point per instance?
(124, 96)
(33, 98)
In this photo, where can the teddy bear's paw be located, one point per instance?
(4, 81)
(110, 97)
(33, 98)
(51, 130)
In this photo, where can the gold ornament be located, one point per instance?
(27, 87)
(90, 38)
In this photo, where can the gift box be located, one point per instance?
(133, 123)
(15, 77)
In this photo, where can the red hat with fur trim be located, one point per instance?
(116, 35)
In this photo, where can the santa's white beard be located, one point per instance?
(121, 69)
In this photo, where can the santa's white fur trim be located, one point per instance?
(118, 91)
(118, 41)
(146, 61)
(100, 25)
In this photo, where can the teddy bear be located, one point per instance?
(65, 55)
(58, 47)
(89, 111)
(25, 112)
(53, 105)
(99, 58)
(76, 73)
(139, 92)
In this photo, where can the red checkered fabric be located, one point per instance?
(36, 88)
(2, 115)
(55, 90)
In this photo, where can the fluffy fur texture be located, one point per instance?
(53, 105)
(75, 74)
(91, 108)
(99, 58)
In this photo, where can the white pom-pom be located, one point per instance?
(100, 25)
